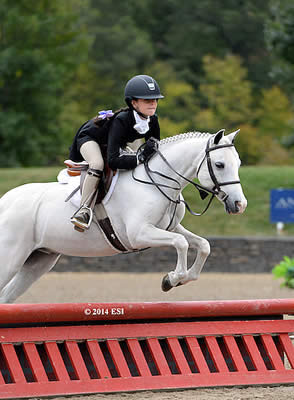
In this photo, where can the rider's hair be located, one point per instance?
(99, 122)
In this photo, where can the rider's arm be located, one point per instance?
(117, 139)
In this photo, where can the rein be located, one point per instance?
(203, 191)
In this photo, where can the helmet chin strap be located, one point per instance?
(130, 104)
(139, 113)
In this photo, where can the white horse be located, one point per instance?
(35, 227)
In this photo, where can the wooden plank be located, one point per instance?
(178, 355)
(56, 361)
(288, 347)
(98, 359)
(158, 356)
(254, 353)
(235, 353)
(118, 358)
(35, 362)
(77, 360)
(13, 363)
(197, 355)
(272, 352)
(138, 357)
(216, 354)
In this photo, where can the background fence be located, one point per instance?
(244, 255)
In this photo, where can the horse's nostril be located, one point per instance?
(237, 206)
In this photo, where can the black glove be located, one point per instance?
(147, 150)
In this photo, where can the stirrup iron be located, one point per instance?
(79, 224)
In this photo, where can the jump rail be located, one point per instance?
(83, 312)
(65, 349)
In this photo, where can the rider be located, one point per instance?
(124, 126)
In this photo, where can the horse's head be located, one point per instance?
(218, 171)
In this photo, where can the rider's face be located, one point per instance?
(145, 106)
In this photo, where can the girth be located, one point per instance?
(104, 223)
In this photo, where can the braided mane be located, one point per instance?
(184, 136)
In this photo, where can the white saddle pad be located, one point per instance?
(74, 181)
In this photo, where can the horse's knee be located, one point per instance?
(204, 247)
(180, 243)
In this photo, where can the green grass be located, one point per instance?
(256, 182)
(12, 177)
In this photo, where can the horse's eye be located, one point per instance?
(219, 165)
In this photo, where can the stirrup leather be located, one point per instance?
(79, 223)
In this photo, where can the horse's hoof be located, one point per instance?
(165, 284)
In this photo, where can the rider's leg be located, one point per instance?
(92, 154)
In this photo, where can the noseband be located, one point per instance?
(203, 191)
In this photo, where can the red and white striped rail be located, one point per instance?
(63, 349)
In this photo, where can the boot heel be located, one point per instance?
(77, 228)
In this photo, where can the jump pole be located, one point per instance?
(72, 348)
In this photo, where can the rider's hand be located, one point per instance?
(147, 150)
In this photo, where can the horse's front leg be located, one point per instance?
(203, 251)
(150, 236)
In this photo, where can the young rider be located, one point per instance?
(125, 126)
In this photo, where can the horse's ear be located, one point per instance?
(233, 135)
(218, 136)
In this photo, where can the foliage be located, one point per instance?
(120, 49)
(230, 102)
(226, 91)
(228, 96)
(62, 62)
(179, 106)
(285, 269)
(275, 115)
(279, 35)
(37, 48)
(184, 32)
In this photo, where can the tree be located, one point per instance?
(39, 42)
(231, 105)
(119, 50)
(275, 114)
(279, 33)
(227, 93)
(184, 32)
(179, 106)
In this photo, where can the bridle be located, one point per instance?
(203, 191)
(217, 185)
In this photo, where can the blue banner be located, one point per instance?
(282, 205)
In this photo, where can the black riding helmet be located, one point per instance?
(142, 87)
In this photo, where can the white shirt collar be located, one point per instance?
(141, 125)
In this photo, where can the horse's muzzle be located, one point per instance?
(237, 207)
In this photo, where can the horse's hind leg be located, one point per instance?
(12, 258)
(37, 264)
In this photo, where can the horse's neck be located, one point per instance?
(184, 154)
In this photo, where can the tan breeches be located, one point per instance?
(92, 154)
